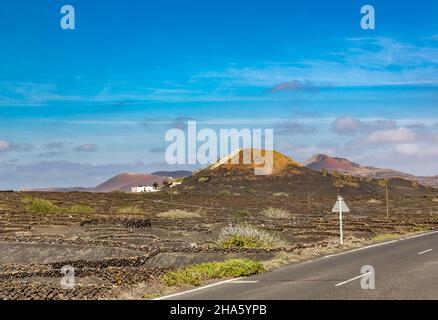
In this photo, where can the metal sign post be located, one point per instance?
(340, 206)
(341, 232)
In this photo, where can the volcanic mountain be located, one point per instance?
(121, 182)
(321, 162)
(287, 177)
(244, 161)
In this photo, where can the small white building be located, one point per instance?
(143, 189)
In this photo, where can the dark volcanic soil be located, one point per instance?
(113, 253)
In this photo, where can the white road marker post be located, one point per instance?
(340, 206)
(341, 233)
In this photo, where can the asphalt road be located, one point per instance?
(403, 269)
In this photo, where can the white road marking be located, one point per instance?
(352, 279)
(360, 249)
(421, 235)
(379, 244)
(309, 261)
(425, 251)
(197, 289)
(245, 281)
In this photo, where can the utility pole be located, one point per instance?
(387, 202)
(430, 207)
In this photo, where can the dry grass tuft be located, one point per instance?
(276, 213)
(245, 236)
(178, 214)
(129, 210)
(81, 209)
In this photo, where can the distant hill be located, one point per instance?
(121, 182)
(72, 189)
(124, 182)
(174, 174)
(321, 162)
(288, 177)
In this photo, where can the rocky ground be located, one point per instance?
(124, 255)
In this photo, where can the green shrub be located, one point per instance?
(244, 236)
(276, 213)
(238, 241)
(79, 208)
(178, 214)
(195, 274)
(129, 210)
(36, 205)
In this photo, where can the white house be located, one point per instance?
(142, 189)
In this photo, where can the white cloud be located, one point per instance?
(349, 125)
(346, 125)
(31, 94)
(392, 135)
(363, 62)
(89, 147)
(408, 149)
(389, 52)
(5, 146)
(291, 128)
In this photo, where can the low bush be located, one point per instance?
(129, 210)
(276, 213)
(36, 205)
(245, 236)
(196, 274)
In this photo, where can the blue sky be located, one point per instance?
(78, 106)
